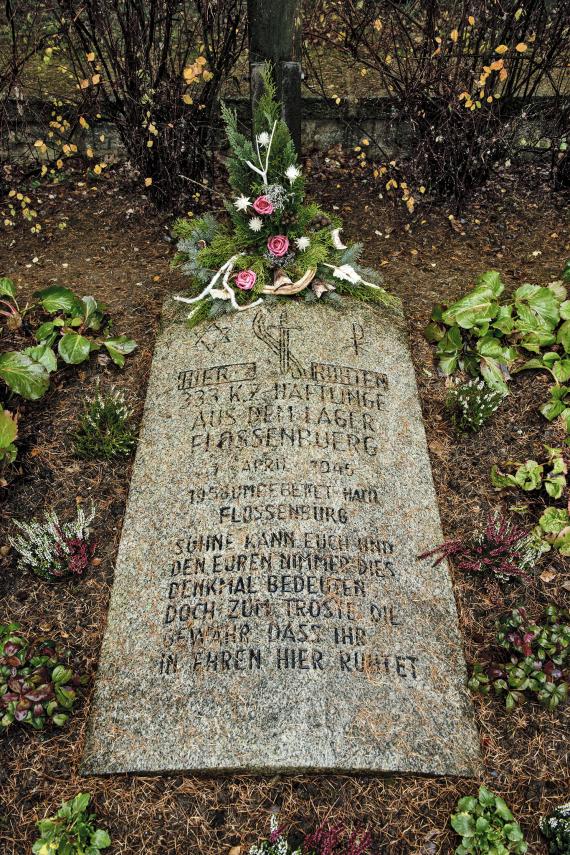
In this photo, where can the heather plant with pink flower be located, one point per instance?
(276, 844)
(336, 841)
(502, 550)
(274, 242)
(53, 550)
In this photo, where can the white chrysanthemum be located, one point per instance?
(256, 224)
(243, 203)
(292, 173)
(263, 139)
(302, 243)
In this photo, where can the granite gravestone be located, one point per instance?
(269, 610)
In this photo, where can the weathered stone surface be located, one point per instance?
(269, 611)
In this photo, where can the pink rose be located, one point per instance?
(245, 279)
(263, 206)
(278, 245)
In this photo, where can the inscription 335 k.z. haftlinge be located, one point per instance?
(269, 611)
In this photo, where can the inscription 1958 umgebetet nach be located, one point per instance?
(269, 611)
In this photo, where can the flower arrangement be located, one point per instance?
(54, 550)
(276, 243)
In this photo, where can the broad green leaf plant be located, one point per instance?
(553, 529)
(486, 826)
(71, 831)
(483, 335)
(539, 660)
(71, 329)
(533, 475)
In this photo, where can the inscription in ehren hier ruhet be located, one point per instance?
(269, 611)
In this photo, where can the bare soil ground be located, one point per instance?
(115, 247)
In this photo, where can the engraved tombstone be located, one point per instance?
(269, 610)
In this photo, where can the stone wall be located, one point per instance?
(324, 125)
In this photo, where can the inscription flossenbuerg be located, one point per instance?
(269, 611)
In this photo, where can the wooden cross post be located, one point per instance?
(274, 36)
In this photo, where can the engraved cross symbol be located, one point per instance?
(213, 335)
(357, 338)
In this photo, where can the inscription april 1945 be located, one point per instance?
(269, 611)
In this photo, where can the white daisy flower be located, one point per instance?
(256, 224)
(263, 139)
(302, 243)
(292, 173)
(243, 203)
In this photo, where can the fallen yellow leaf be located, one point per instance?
(521, 47)
(147, 182)
(501, 49)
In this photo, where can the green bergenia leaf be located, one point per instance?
(100, 839)
(563, 336)
(58, 299)
(7, 288)
(24, 375)
(118, 347)
(477, 307)
(554, 520)
(486, 797)
(492, 280)
(74, 348)
(537, 315)
(449, 350)
(464, 824)
(502, 809)
(80, 803)
(8, 431)
(44, 354)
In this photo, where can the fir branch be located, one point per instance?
(200, 312)
(352, 254)
(267, 110)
